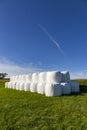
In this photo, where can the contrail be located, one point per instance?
(51, 38)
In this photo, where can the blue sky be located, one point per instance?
(42, 35)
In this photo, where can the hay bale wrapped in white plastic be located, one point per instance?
(41, 88)
(14, 85)
(21, 87)
(33, 87)
(54, 77)
(65, 76)
(27, 86)
(28, 78)
(18, 86)
(53, 90)
(13, 78)
(9, 84)
(23, 77)
(66, 88)
(20, 78)
(6, 84)
(42, 77)
(75, 87)
(35, 77)
(16, 78)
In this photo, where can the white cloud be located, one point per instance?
(11, 68)
(79, 75)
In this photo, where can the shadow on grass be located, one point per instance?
(83, 88)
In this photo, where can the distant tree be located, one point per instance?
(3, 75)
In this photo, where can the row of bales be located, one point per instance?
(52, 83)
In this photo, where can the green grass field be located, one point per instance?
(21, 110)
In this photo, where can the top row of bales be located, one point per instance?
(43, 77)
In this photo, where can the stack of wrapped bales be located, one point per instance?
(33, 85)
(27, 82)
(42, 82)
(52, 83)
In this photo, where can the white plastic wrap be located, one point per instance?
(33, 87)
(65, 76)
(16, 78)
(66, 88)
(75, 87)
(51, 83)
(14, 85)
(27, 86)
(54, 77)
(53, 90)
(41, 88)
(23, 77)
(19, 78)
(10, 84)
(35, 77)
(28, 78)
(13, 78)
(21, 86)
(18, 86)
(42, 77)
(6, 84)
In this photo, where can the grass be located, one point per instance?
(21, 110)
